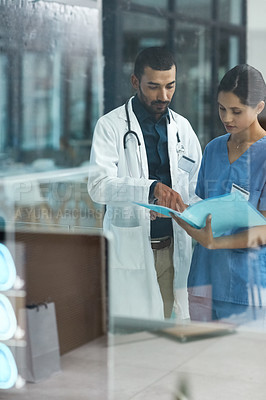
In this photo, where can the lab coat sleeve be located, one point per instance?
(109, 181)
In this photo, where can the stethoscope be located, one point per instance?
(129, 130)
(180, 149)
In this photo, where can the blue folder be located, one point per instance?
(229, 212)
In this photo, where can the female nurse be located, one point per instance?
(228, 274)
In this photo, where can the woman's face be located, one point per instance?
(236, 116)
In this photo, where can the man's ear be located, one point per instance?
(134, 81)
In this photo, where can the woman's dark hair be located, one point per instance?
(157, 58)
(246, 83)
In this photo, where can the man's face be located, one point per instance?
(155, 89)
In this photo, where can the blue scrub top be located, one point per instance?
(238, 275)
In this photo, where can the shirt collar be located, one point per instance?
(143, 114)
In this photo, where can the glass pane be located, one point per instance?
(229, 57)
(31, 229)
(57, 198)
(78, 87)
(41, 122)
(139, 31)
(3, 103)
(152, 3)
(229, 50)
(231, 11)
(55, 88)
(192, 98)
(192, 8)
(84, 101)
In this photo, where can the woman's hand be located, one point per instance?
(204, 236)
(250, 238)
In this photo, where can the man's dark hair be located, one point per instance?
(157, 58)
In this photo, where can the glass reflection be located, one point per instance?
(231, 11)
(229, 48)
(139, 32)
(152, 3)
(202, 8)
(192, 99)
(53, 75)
(41, 116)
(3, 103)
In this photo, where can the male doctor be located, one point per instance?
(145, 152)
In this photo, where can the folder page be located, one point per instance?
(229, 212)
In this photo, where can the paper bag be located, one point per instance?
(42, 355)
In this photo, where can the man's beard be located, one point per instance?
(151, 108)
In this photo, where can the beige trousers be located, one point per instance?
(165, 276)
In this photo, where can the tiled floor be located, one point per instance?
(83, 376)
(143, 366)
(225, 368)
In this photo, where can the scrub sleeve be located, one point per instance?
(238, 275)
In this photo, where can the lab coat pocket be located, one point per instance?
(186, 164)
(129, 248)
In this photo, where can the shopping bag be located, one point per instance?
(42, 354)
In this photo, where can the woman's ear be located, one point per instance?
(134, 81)
(260, 107)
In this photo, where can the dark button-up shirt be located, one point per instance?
(156, 143)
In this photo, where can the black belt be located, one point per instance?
(158, 244)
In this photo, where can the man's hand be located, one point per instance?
(167, 197)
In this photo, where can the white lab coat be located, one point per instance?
(134, 290)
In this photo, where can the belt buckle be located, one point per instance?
(158, 244)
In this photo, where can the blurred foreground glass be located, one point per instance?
(192, 97)
(51, 82)
(192, 8)
(139, 32)
(53, 200)
(152, 3)
(230, 11)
